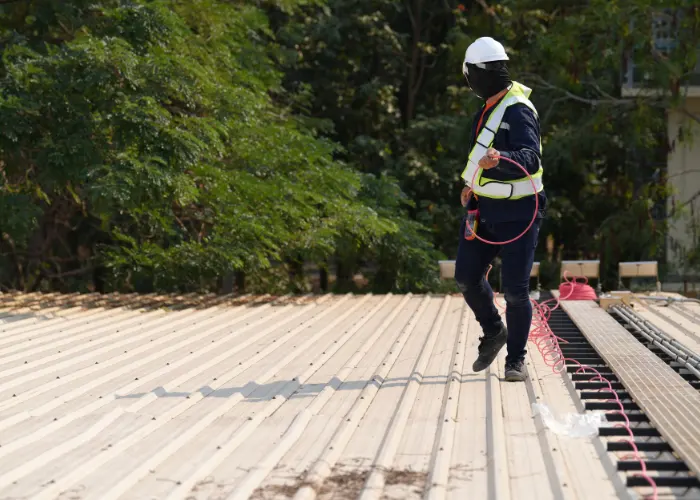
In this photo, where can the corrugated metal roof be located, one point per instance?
(330, 397)
(672, 405)
(678, 320)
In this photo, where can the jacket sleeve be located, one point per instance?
(523, 143)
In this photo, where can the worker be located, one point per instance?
(504, 197)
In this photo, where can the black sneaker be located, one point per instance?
(488, 349)
(516, 372)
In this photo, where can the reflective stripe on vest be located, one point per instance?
(492, 188)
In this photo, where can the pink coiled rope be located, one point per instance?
(534, 214)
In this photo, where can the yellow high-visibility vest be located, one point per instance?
(492, 188)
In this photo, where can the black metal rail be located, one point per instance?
(671, 474)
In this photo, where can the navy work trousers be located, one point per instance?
(473, 259)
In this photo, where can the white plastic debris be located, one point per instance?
(575, 425)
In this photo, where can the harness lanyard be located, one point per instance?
(483, 113)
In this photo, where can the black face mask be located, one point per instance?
(487, 82)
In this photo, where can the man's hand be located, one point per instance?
(490, 160)
(466, 194)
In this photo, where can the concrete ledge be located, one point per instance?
(447, 269)
(580, 268)
(646, 269)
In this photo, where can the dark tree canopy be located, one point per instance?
(163, 145)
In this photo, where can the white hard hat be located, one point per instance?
(483, 50)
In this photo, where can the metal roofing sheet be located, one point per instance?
(272, 397)
(679, 320)
(672, 405)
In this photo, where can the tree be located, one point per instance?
(389, 79)
(142, 145)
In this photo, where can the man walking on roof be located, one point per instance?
(507, 126)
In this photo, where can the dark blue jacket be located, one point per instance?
(520, 141)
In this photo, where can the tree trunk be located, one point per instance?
(323, 278)
(343, 275)
(227, 283)
(414, 74)
(240, 282)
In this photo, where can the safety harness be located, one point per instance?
(492, 188)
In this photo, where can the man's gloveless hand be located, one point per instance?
(490, 160)
(466, 194)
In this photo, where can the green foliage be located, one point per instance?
(158, 145)
(389, 79)
(146, 146)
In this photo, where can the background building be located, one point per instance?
(683, 161)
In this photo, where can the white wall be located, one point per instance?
(684, 178)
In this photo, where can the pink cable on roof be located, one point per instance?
(547, 344)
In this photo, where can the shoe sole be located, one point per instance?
(495, 355)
